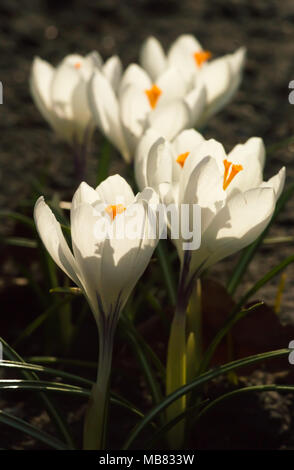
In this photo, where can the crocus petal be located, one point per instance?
(124, 261)
(112, 69)
(170, 119)
(251, 156)
(104, 106)
(152, 57)
(136, 76)
(181, 53)
(85, 194)
(87, 246)
(173, 86)
(276, 182)
(185, 142)
(196, 101)
(134, 108)
(159, 164)
(204, 188)
(115, 187)
(217, 77)
(206, 148)
(40, 83)
(141, 156)
(239, 223)
(52, 237)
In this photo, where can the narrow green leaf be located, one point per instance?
(17, 423)
(198, 382)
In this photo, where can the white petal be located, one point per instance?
(159, 163)
(134, 108)
(112, 69)
(196, 101)
(239, 223)
(124, 261)
(203, 188)
(40, 84)
(88, 247)
(152, 57)
(52, 237)
(208, 148)
(217, 78)
(170, 119)
(276, 182)
(84, 194)
(136, 76)
(251, 156)
(181, 53)
(141, 155)
(104, 106)
(172, 85)
(113, 188)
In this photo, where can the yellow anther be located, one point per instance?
(113, 210)
(234, 171)
(182, 158)
(153, 94)
(201, 57)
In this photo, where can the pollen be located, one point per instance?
(153, 94)
(77, 65)
(230, 175)
(201, 57)
(182, 158)
(113, 210)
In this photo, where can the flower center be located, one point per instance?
(201, 57)
(153, 94)
(113, 210)
(234, 171)
(182, 158)
(77, 65)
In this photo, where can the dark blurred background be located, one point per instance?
(52, 29)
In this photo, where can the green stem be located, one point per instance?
(176, 375)
(95, 425)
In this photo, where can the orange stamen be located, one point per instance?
(153, 94)
(182, 158)
(113, 210)
(77, 65)
(234, 171)
(201, 57)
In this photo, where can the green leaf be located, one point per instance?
(20, 241)
(104, 162)
(230, 321)
(66, 290)
(241, 391)
(167, 271)
(17, 423)
(18, 218)
(52, 410)
(198, 382)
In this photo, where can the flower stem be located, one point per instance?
(95, 425)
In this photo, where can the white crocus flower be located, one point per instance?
(113, 238)
(60, 93)
(106, 268)
(236, 204)
(221, 77)
(168, 104)
(177, 150)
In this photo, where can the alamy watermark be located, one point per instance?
(149, 221)
(291, 94)
(291, 355)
